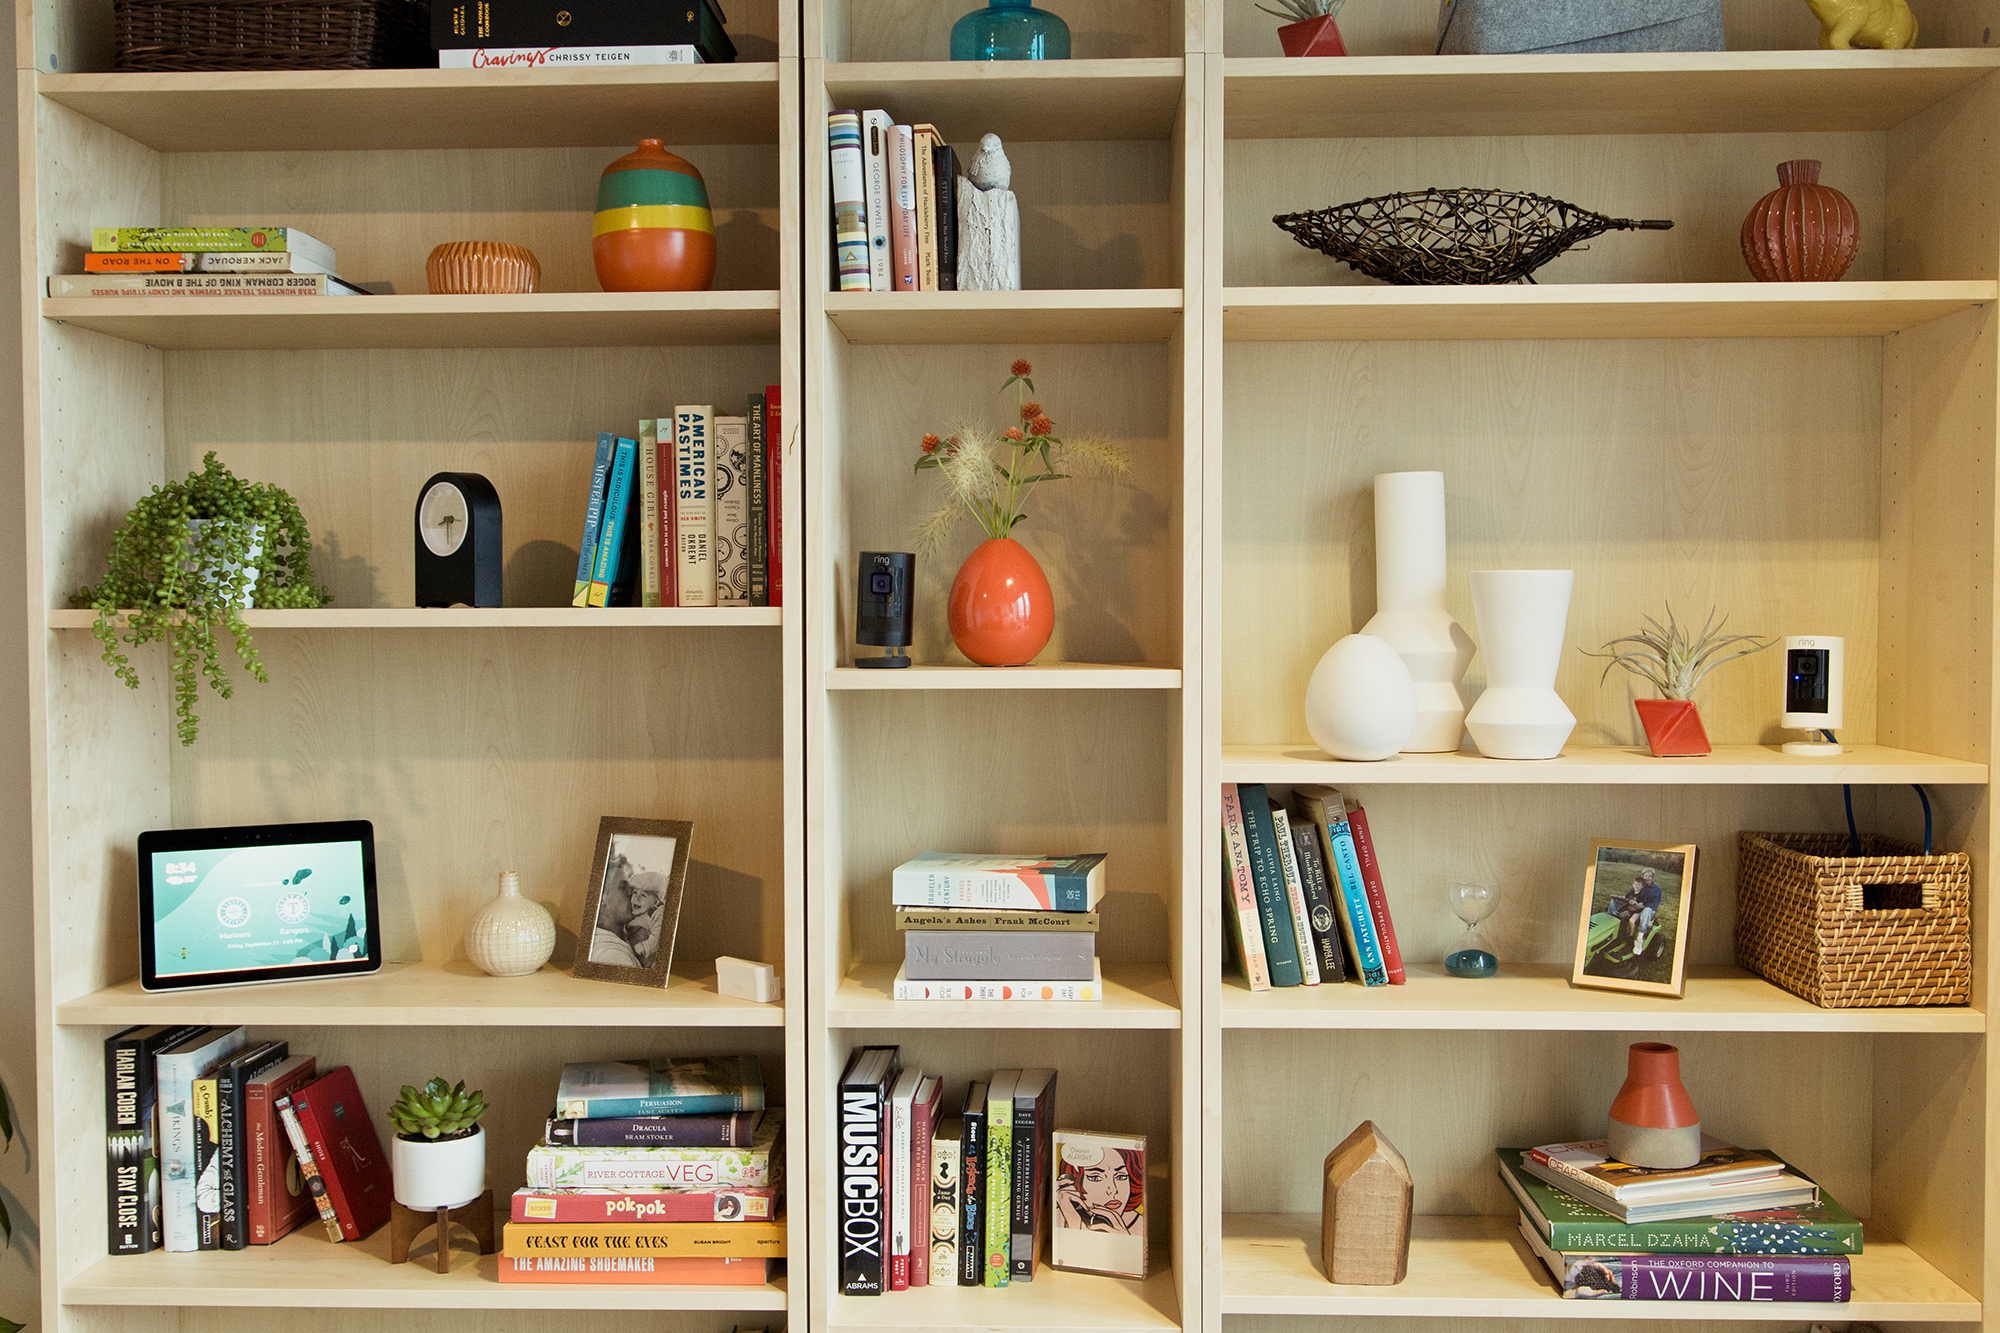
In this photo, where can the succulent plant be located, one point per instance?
(1674, 657)
(1300, 11)
(437, 1110)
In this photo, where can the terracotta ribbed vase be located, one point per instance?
(1802, 231)
(653, 231)
(481, 268)
(1653, 1120)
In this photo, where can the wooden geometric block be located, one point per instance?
(406, 1224)
(1364, 1227)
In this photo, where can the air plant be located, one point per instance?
(1674, 657)
(1304, 11)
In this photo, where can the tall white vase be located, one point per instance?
(1410, 615)
(1523, 615)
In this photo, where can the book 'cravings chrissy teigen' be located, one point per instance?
(864, 1091)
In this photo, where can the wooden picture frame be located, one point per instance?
(1623, 943)
(616, 942)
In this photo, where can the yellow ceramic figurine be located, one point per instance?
(1886, 25)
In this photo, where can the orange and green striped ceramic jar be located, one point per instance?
(653, 231)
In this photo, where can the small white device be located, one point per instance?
(1813, 671)
(742, 979)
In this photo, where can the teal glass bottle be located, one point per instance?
(1010, 30)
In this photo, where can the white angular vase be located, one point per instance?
(1360, 703)
(1523, 615)
(1410, 615)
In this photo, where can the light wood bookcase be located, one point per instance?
(1811, 459)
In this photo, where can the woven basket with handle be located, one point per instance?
(1889, 927)
(191, 35)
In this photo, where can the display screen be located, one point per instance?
(267, 910)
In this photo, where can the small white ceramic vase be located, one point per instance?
(1360, 703)
(511, 936)
(1410, 615)
(439, 1173)
(1523, 615)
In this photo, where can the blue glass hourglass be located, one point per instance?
(1468, 955)
(1010, 30)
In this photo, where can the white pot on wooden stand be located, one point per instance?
(1410, 614)
(1523, 615)
(439, 1173)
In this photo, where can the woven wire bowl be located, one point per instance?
(207, 35)
(1447, 236)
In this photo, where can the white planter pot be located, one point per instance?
(248, 599)
(432, 1175)
(1410, 614)
(1523, 616)
(1360, 703)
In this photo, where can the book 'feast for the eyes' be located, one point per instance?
(524, 1240)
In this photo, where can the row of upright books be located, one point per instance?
(688, 513)
(1741, 1225)
(934, 1199)
(204, 261)
(666, 1172)
(895, 205)
(999, 928)
(215, 1143)
(1302, 890)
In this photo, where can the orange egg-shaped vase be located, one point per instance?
(1001, 610)
(653, 231)
(1802, 231)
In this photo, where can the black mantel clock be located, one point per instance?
(458, 541)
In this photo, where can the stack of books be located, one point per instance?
(895, 205)
(1302, 890)
(204, 261)
(999, 928)
(215, 1143)
(663, 1173)
(933, 1198)
(687, 513)
(1739, 1225)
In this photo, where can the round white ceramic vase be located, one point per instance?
(1523, 615)
(1410, 614)
(1360, 703)
(511, 936)
(439, 1173)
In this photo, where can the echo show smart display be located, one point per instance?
(265, 902)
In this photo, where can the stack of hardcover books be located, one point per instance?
(933, 1198)
(688, 512)
(999, 928)
(217, 1143)
(204, 261)
(895, 205)
(665, 1172)
(1739, 1225)
(1302, 890)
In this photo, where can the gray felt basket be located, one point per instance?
(1517, 27)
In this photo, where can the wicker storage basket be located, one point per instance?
(1803, 920)
(272, 34)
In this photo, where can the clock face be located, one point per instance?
(442, 518)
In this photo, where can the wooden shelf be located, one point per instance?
(1608, 766)
(542, 319)
(428, 108)
(1055, 1302)
(467, 617)
(1694, 92)
(305, 1270)
(1480, 1268)
(1121, 315)
(1593, 310)
(1035, 676)
(1032, 101)
(429, 995)
(1538, 997)
(1136, 995)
